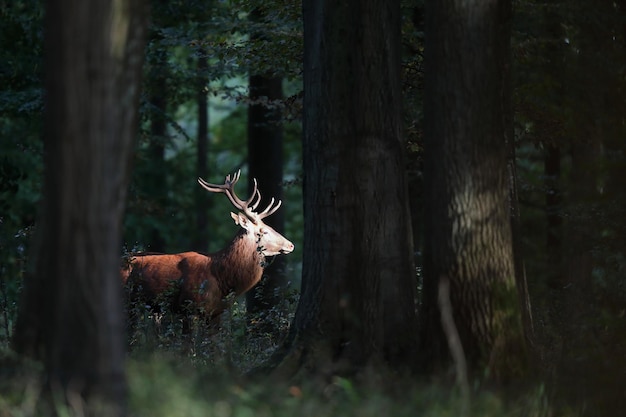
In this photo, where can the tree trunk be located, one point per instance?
(357, 305)
(155, 180)
(201, 240)
(265, 159)
(521, 280)
(553, 139)
(71, 310)
(468, 225)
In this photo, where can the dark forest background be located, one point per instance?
(222, 90)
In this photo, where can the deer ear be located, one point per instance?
(240, 220)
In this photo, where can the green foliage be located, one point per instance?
(163, 384)
(220, 32)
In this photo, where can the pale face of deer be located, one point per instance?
(268, 240)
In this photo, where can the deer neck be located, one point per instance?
(240, 265)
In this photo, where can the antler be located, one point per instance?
(269, 211)
(247, 206)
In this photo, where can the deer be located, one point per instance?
(204, 285)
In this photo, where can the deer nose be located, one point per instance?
(288, 248)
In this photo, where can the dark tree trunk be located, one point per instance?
(581, 356)
(554, 237)
(201, 240)
(71, 311)
(555, 67)
(521, 280)
(155, 179)
(468, 225)
(357, 305)
(265, 159)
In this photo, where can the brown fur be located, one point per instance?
(197, 284)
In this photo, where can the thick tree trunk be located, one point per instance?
(71, 311)
(468, 225)
(358, 287)
(265, 159)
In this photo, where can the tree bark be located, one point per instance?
(468, 224)
(265, 159)
(71, 311)
(357, 305)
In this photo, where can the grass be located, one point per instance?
(167, 380)
(164, 386)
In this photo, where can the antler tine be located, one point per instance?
(236, 176)
(255, 193)
(256, 203)
(255, 198)
(269, 210)
(228, 189)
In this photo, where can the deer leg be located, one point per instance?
(187, 319)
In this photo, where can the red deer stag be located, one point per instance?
(198, 284)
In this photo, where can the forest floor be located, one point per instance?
(168, 378)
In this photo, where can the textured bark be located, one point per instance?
(468, 228)
(358, 287)
(71, 311)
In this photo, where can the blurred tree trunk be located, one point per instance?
(201, 240)
(553, 139)
(71, 311)
(265, 159)
(554, 215)
(468, 236)
(581, 358)
(155, 178)
(357, 306)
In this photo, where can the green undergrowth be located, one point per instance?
(161, 387)
(163, 384)
(169, 377)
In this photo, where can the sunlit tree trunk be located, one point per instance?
(468, 226)
(71, 311)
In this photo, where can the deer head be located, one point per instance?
(269, 241)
